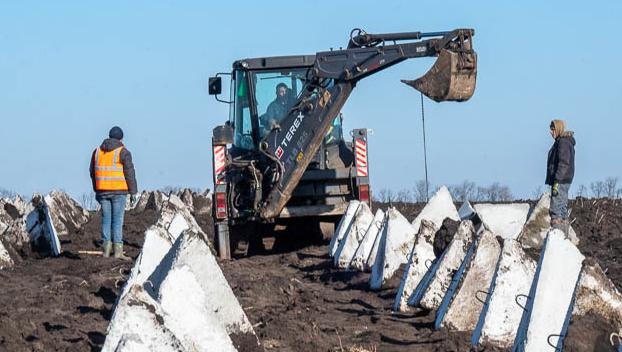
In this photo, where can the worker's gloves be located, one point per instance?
(555, 189)
(133, 200)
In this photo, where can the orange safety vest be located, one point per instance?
(109, 174)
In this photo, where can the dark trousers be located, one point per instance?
(559, 202)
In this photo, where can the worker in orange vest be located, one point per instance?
(112, 173)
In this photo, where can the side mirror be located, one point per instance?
(215, 85)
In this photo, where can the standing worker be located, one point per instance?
(112, 173)
(560, 172)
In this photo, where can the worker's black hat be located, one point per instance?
(116, 132)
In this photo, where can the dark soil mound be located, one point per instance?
(598, 223)
(298, 302)
(65, 303)
(444, 235)
(588, 333)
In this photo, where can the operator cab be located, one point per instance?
(263, 91)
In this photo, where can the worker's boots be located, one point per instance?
(118, 252)
(107, 248)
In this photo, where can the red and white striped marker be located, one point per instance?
(219, 163)
(360, 149)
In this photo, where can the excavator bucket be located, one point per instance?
(451, 78)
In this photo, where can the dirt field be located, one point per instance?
(295, 299)
(599, 225)
(65, 303)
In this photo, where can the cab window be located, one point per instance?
(240, 113)
(276, 93)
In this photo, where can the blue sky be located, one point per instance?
(71, 70)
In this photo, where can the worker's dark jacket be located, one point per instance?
(128, 166)
(560, 163)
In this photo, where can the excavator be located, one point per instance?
(281, 157)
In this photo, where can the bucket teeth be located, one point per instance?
(451, 78)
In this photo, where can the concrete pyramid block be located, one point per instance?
(13, 214)
(135, 308)
(141, 199)
(52, 216)
(597, 294)
(186, 196)
(371, 259)
(137, 324)
(12, 233)
(552, 294)
(202, 203)
(175, 217)
(343, 226)
(16, 234)
(466, 211)
(155, 201)
(7, 217)
(188, 312)
(353, 237)
(420, 258)
(451, 260)
(41, 227)
(397, 239)
(538, 225)
(440, 206)
(157, 243)
(362, 254)
(5, 259)
(515, 271)
(505, 220)
(177, 225)
(35, 220)
(66, 214)
(190, 269)
(131, 343)
(141, 205)
(465, 307)
(22, 206)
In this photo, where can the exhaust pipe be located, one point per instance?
(451, 78)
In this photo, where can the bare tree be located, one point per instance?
(170, 189)
(611, 186)
(537, 192)
(598, 189)
(385, 196)
(581, 191)
(404, 196)
(5, 193)
(420, 194)
(499, 193)
(496, 192)
(463, 191)
(481, 194)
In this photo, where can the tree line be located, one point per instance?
(610, 187)
(495, 192)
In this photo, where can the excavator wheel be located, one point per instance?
(240, 241)
(222, 242)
